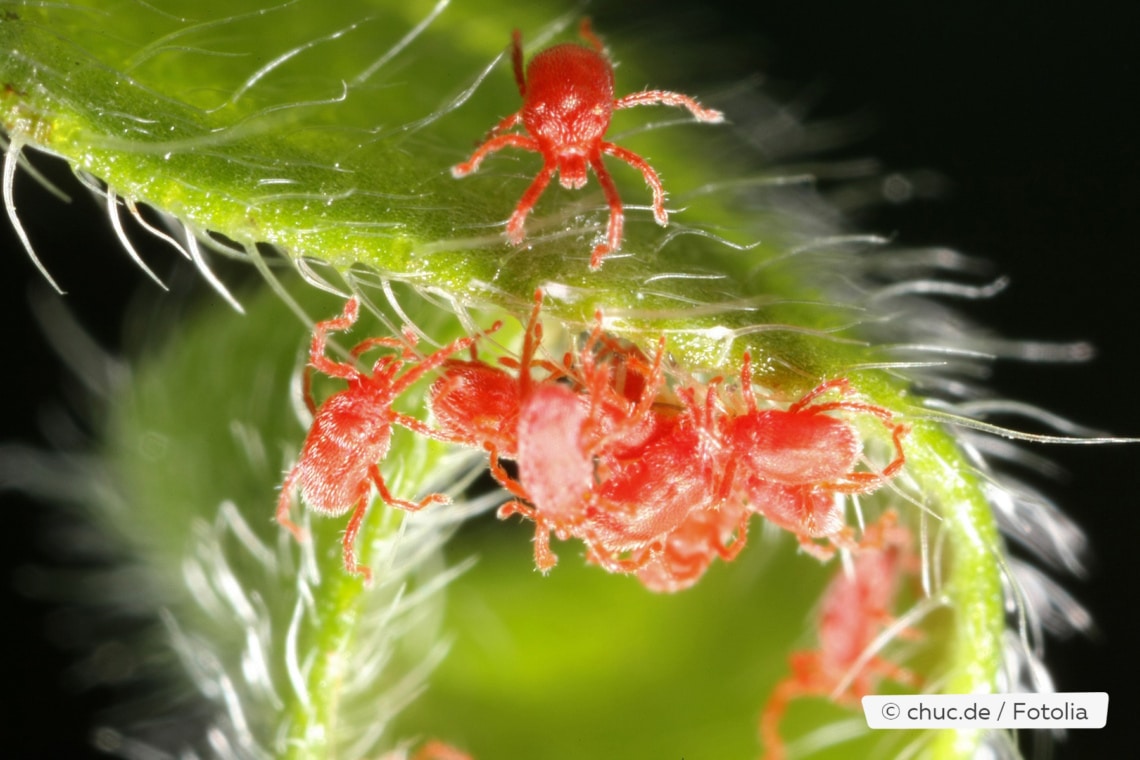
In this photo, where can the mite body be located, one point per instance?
(568, 101)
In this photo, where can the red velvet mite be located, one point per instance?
(854, 612)
(352, 429)
(789, 465)
(568, 101)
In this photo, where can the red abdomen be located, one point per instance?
(569, 95)
(477, 403)
(795, 448)
(347, 437)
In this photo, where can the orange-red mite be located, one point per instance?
(352, 429)
(854, 611)
(788, 465)
(568, 100)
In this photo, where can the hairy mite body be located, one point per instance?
(352, 430)
(568, 101)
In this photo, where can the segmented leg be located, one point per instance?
(586, 32)
(307, 389)
(285, 505)
(435, 360)
(739, 541)
(369, 343)
(499, 473)
(494, 144)
(774, 713)
(361, 509)
(664, 97)
(517, 62)
(404, 504)
(544, 558)
(515, 226)
(349, 541)
(507, 123)
(317, 358)
(617, 217)
(651, 178)
(532, 339)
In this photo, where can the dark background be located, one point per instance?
(1027, 111)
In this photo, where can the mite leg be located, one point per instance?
(544, 558)
(664, 97)
(284, 505)
(494, 144)
(517, 62)
(505, 480)
(409, 506)
(317, 358)
(651, 178)
(349, 542)
(586, 32)
(617, 215)
(515, 231)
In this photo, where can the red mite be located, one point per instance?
(564, 438)
(568, 101)
(788, 465)
(478, 404)
(352, 430)
(855, 609)
(598, 459)
(656, 482)
(612, 461)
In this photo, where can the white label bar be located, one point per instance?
(1082, 709)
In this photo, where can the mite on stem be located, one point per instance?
(352, 430)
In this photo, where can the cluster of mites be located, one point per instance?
(657, 481)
